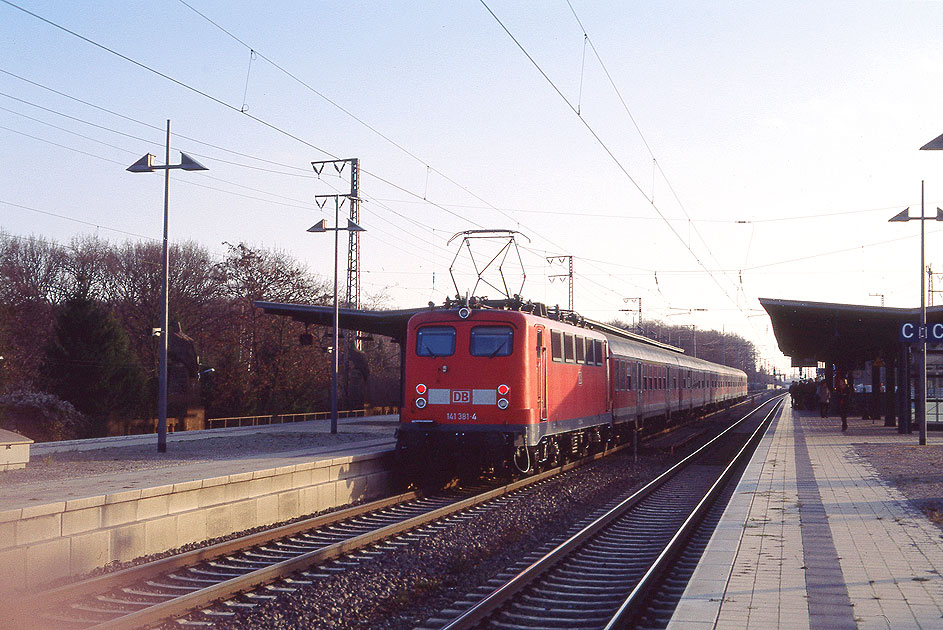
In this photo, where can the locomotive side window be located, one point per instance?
(580, 349)
(569, 348)
(491, 341)
(556, 345)
(435, 341)
(597, 351)
(590, 353)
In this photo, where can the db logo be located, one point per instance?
(461, 396)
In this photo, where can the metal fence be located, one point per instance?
(279, 418)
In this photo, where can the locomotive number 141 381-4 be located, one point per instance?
(454, 415)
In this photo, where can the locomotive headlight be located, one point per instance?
(420, 403)
(421, 389)
(502, 403)
(503, 390)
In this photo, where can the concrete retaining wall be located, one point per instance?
(42, 543)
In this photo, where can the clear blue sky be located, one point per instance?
(785, 135)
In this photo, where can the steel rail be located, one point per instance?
(28, 610)
(224, 590)
(116, 579)
(632, 602)
(500, 596)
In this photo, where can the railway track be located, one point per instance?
(214, 582)
(601, 576)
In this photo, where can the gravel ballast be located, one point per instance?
(401, 589)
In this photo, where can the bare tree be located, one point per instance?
(32, 282)
(266, 369)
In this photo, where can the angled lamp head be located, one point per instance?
(187, 163)
(320, 226)
(903, 216)
(934, 145)
(353, 227)
(144, 165)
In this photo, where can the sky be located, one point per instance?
(696, 155)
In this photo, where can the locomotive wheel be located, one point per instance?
(553, 453)
(583, 448)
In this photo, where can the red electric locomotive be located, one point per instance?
(516, 387)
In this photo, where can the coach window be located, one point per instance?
(435, 341)
(628, 376)
(618, 375)
(580, 350)
(556, 345)
(569, 351)
(491, 341)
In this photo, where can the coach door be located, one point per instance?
(541, 375)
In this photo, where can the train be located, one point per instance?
(513, 386)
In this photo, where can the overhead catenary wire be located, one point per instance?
(270, 125)
(297, 203)
(704, 270)
(609, 152)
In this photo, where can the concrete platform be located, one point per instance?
(14, 450)
(813, 538)
(81, 508)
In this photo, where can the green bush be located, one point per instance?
(41, 416)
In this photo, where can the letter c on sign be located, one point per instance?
(937, 332)
(907, 331)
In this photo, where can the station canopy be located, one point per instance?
(388, 323)
(845, 334)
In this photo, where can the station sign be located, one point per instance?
(803, 362)
(911, 332)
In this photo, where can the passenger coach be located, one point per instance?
(499, 387)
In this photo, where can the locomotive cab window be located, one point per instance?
(435, 341)
(491, 341)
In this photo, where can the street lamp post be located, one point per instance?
(921, 398)
(146, 165)
(321, 226)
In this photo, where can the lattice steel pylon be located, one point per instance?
(353, 247)
(567, 276)
(353, 244)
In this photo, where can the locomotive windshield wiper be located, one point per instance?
(432, 354)
(497, 350)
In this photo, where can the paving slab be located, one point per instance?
(815, 538)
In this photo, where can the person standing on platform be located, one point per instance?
(845, 388)
(822, 394)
